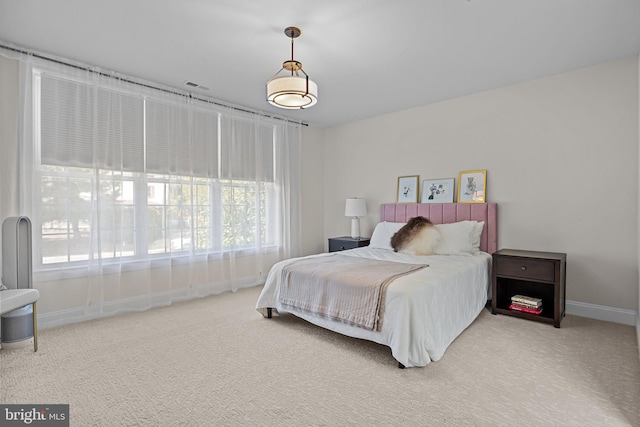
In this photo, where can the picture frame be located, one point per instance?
(472, 186)
(438, 190)
(407, 189)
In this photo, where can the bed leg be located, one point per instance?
(400, 365)
(269, 312)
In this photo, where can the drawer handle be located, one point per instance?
(523, 268)
(342, 248)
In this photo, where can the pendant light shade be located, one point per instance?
(292, 89)
(292, 92)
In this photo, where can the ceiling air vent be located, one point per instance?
(195, 85)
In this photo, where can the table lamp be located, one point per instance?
(355, 208)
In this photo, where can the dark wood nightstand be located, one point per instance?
(534, 274)
(342, 243)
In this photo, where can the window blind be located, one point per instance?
(84, 125)
(88, 125)
(181, 140)
(247, 150)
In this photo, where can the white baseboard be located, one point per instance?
(141, 303)
(601, 312)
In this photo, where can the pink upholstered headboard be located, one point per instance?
(444, 213)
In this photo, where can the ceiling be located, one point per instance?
(369, 57)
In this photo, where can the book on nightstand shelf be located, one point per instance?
(526, 304)
(525, 309)
(523, 299)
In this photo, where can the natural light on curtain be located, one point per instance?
(139, 197)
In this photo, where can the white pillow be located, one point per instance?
(475, 237)
(382, 234)
(457, 238)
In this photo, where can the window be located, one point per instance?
(65, 215)
(243, 200)
(124, 174)
(179, 215)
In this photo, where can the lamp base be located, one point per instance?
(355, 227)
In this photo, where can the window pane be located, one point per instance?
(116, 216)
(240, 210)
(66, 214)
(157, 242)
(172, 214)
(156, 193)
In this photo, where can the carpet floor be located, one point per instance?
(216, 362)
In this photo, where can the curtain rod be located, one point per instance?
(149, 86)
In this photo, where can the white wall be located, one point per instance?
(312, 163)
(562, 161)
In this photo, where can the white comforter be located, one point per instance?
(424, 311)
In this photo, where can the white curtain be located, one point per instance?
(140, 196)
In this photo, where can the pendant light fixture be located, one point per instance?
(292, 90)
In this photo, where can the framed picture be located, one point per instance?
(438, 190)
(472, 186)
(408, 189)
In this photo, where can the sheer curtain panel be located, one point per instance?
(142, 196)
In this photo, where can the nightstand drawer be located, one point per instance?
(340, 245)
(343, 243)
(534, 269)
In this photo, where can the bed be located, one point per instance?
(424, 310)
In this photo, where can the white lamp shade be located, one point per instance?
(291, 92)
(355, 207)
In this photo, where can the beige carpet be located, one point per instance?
(217, 362)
